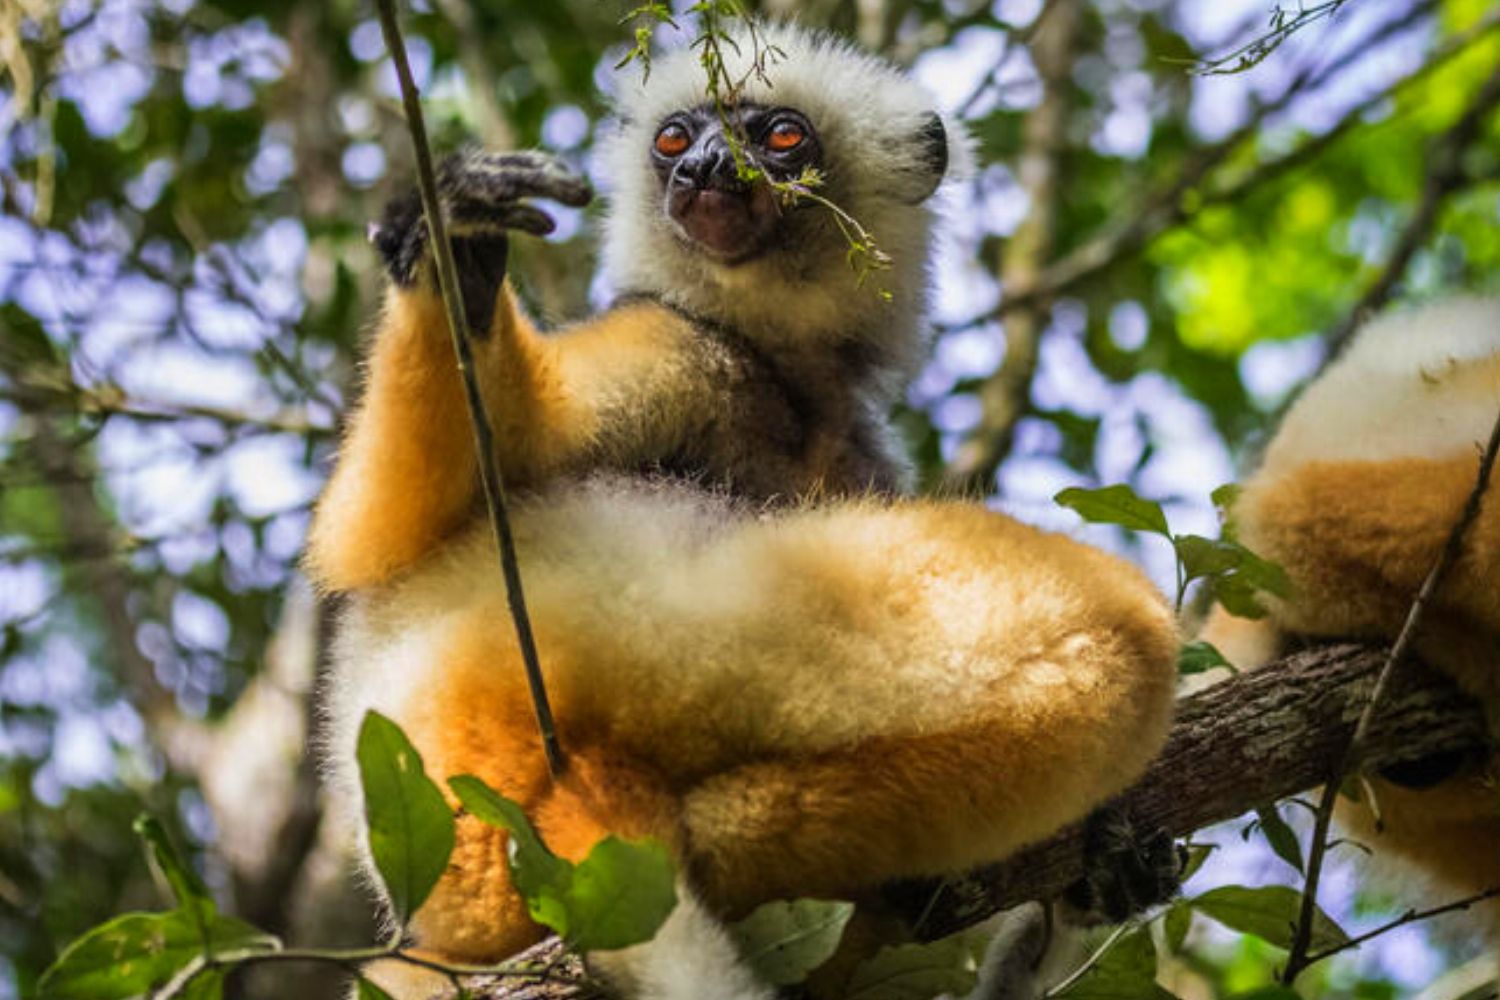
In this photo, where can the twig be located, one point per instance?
(1297, 959)
(1446, 177)
(40, 390)
(1093, 960)
(494, 488)
(1284, 24)
(1409, 917)
(1005, 395)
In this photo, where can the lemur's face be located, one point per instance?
(707, 202)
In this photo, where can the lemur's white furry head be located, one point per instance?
(884, 152)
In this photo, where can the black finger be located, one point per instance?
(400, 238)
(475, 217)
(508, 176)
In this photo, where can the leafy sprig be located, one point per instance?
(725, 89)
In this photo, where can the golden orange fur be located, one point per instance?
(1359, 491)
(756, 653)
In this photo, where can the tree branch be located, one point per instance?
(1005, 394)
(1445, 177)
(1185, 195)
(1255, 738)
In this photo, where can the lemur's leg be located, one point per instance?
(406, 472)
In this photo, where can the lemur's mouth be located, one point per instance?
(732, 226)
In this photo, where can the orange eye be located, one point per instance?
(785, 136)
(672, 141)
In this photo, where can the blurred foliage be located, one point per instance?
(184, 279)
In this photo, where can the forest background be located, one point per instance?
(1181, 209)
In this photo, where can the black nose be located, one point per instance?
(709, 164)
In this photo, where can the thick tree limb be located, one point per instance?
(1249, 741)
(1252, 740)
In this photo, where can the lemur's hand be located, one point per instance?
(481, 195)
(1126, 869)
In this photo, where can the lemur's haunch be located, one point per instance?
(1356, 497)
(756, 652)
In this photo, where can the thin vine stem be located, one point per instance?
(489, 471)
(1409, 917)
(1298, 959)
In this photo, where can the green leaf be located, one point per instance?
(540, 876)
(784, 941)
(25, 339)
(127, 957)
(1262, 574)
(1280, 836)
(369, 991)
(410, 825)
(192, 895)
(915, 972)
(617, 896)
(1225, 497)
(1197, 854)
(136, 953)
(206, 985)
(620, 894)
(1126, 972)
(1276, 992)
(1176, 924)
(1269, 912)
(1198, 657)
(1203, 557)
(1116, 504)
(1238, 597)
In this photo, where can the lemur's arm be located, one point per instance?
(406, 476)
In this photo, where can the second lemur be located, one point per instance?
(757, 653)
(1356, 497)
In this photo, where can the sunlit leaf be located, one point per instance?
(617, 896)
(410, 825)
(133, 954)
(192, 895)
(620, 894)
(1269, 912)
(1116, 504)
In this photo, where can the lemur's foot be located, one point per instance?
(1126, 869)
(481, 194)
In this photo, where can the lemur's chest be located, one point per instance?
(782, 429)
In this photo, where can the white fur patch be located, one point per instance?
(867, 114)
(1412, 385)
(691, 958)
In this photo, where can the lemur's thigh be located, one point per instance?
(478, 720)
